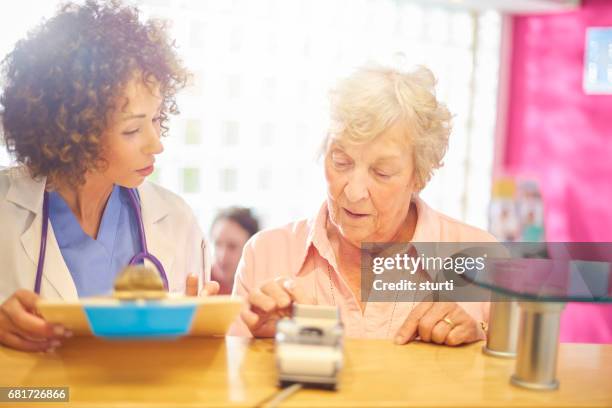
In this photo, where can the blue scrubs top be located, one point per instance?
(94, 263)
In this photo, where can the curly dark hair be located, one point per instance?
(63, 80)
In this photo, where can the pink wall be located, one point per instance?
(563, 138)
(556, 132)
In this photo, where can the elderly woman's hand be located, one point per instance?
(270, 303)
(440, 323)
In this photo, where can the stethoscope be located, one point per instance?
(140, 256)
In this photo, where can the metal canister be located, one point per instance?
(503, 327)
(536, 362)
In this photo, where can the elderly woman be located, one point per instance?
(388, 134)
(85, 100)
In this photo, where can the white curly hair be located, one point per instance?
(374, 97)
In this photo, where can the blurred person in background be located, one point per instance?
(230, 230)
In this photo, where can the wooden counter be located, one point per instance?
(236, 372)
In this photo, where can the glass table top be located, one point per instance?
(552, 272)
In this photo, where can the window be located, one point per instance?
(230, 134)
(269, 88)
(197, 34)
(194, 85)
(236, 39)
(193, 132)
(302, 134)
(191, 180)
(269, 66)
(266, 136)
(264, 179)
(284, 60)
(233, 87)
(228, 180)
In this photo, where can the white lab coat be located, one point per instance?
(171, 230)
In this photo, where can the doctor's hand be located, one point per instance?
(270, 303)
(440, 323)
(22, 329)
(192, 284)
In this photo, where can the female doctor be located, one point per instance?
(84, 101)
